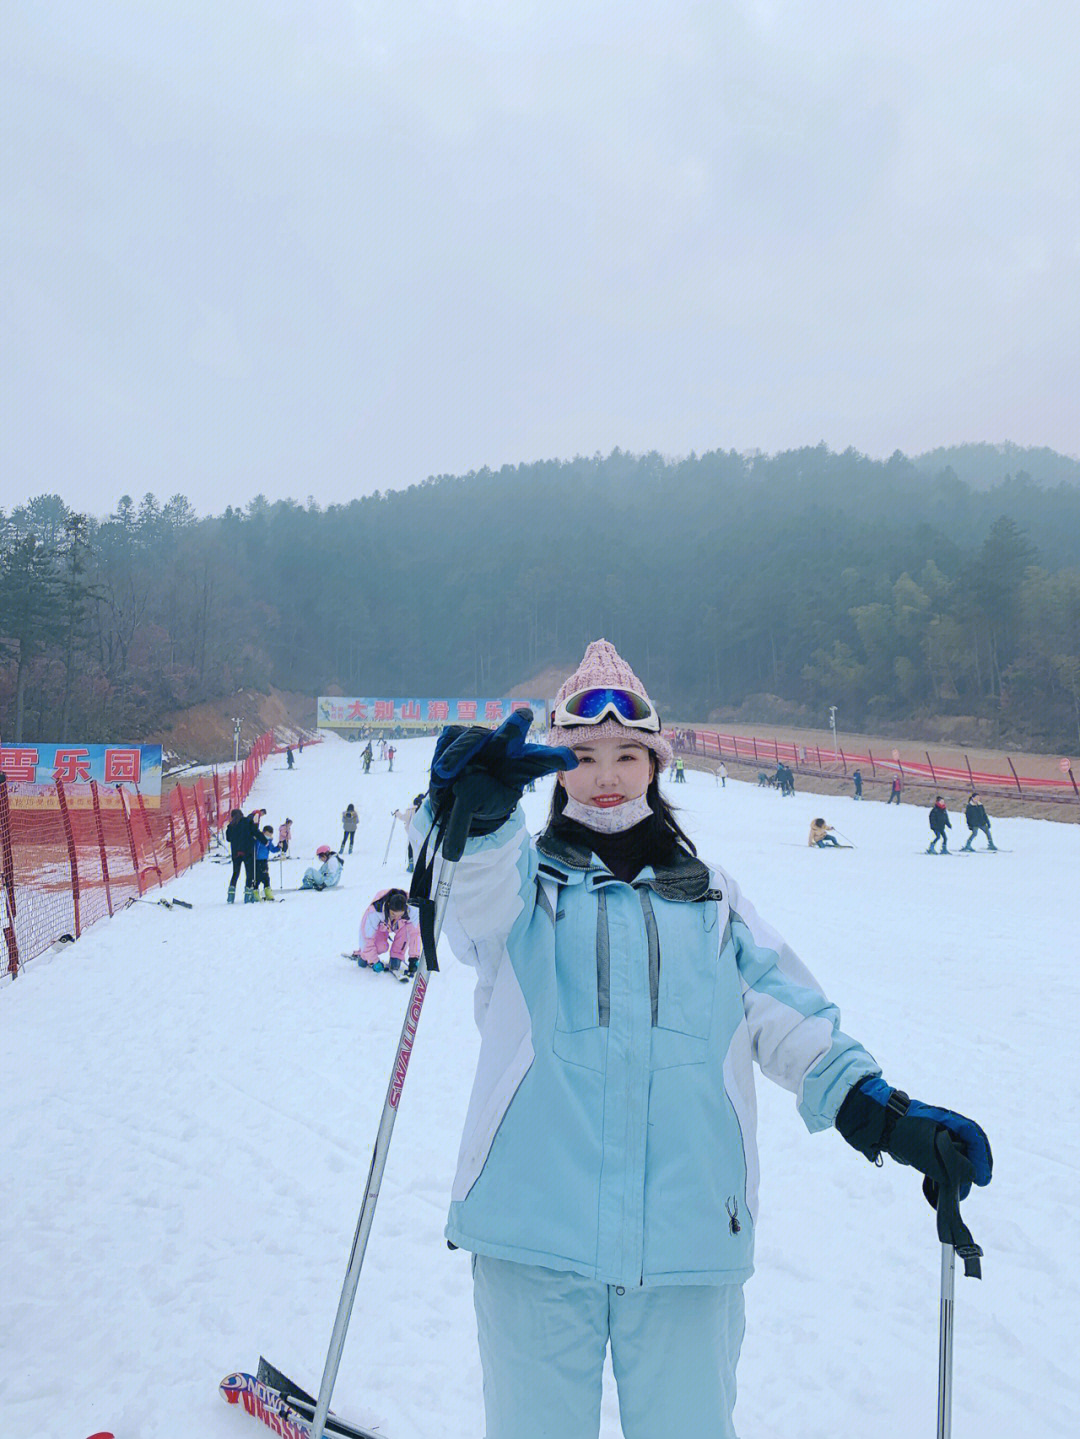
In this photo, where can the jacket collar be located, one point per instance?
(684, 878)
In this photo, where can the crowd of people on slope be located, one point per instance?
(389, 939)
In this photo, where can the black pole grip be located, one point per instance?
(468, 791)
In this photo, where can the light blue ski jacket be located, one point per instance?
(611, 1128)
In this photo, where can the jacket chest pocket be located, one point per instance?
(581, 963)
(689, 946)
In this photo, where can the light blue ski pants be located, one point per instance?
(543, 1337)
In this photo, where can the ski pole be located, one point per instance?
(453, 846)
(945, 1345)
(393, 825)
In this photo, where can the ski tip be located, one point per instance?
(103, 1434)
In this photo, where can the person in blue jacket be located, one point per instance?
(264, 848)
(607, 1174)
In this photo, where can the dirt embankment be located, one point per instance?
(203, 733)
(834, 781)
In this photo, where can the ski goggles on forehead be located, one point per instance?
(588, 707)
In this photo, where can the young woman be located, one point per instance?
(607, 1176)
(389, 939)
(349, 822)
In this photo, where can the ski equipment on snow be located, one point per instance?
(281, 1405)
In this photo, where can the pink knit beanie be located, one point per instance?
(604, 668)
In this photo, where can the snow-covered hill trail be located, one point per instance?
(189, 1100)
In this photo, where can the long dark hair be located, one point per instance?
(664, 834)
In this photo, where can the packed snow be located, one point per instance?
(190, 1100)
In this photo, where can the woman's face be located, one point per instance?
(610, 771)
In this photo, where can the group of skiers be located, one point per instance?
(251, 843)
(386, 751)
(975, 817)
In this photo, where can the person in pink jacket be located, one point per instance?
(387, 930)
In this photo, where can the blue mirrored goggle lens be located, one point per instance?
(593, 702)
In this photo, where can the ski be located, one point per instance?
(282, 1406)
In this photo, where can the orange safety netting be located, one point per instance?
(63, 868)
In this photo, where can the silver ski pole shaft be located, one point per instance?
(393, 826)
(452, 848)
(945, 1344)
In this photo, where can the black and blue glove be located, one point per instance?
(497, 764)
(951, 1152)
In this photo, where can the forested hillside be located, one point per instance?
(895, 590)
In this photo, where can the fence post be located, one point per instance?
(183, 815)
(203, 823)
(7, 879)
(843, 761)
(873, 768)
(149, 835)
(930, 762)
(101, 845)
(172, 846)
(73, 863)
(131, 836)
(1019, 791)
(1076, 791)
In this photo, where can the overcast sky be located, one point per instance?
(324, 246)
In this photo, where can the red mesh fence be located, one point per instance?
(817, 759)
(63, 868)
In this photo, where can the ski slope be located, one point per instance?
(190, 1098)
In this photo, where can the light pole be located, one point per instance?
(236, 739)
(832, 726)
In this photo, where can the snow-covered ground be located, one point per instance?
(190, 1098)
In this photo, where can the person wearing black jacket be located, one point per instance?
(242, 832)
(939, 823)
(976, 817)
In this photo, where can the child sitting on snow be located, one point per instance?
(386, 929)
(326, 873)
